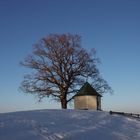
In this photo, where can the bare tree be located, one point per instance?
(60, 65)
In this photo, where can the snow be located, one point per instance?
(67, 125)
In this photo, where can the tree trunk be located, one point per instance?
(63, 103)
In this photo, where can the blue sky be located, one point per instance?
(110, 26)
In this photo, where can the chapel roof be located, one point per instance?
(87, 89)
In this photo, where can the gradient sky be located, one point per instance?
(110, 26)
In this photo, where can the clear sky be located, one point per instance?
(110, 26)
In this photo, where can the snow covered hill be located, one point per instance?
(67, 125)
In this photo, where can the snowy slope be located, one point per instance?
(67, 125)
